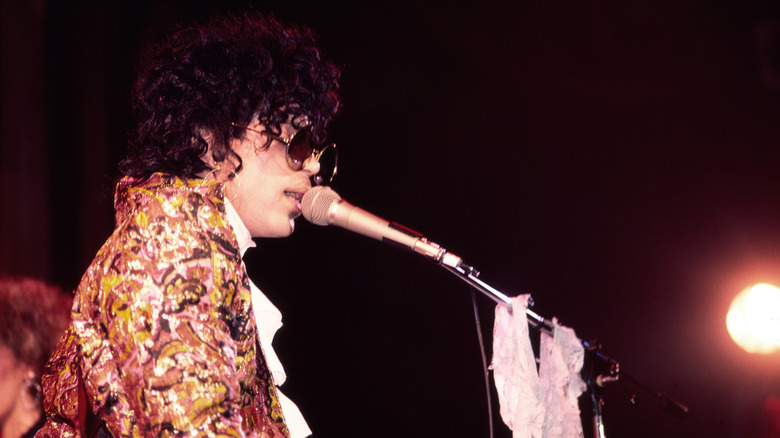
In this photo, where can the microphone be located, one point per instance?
(323, 206)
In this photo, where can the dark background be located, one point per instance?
(617, 160)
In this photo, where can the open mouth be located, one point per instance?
(296, 196)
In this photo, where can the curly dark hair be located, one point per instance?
(33, 317)
(235, 69)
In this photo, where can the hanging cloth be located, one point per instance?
(536, 403)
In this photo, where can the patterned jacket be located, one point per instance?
(162, 329)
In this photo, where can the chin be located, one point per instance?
(282, 231)
(279, 235)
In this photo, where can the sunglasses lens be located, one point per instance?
(299, 150)
(328, 165)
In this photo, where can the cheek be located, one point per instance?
(10, 389)
(11, 379)
(7, 361)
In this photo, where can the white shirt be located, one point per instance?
(268, 320)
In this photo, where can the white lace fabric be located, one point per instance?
(543, 403)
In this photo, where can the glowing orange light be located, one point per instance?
(753, 320)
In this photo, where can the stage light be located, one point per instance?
(753, 320)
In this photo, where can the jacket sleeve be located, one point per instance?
(176, 330)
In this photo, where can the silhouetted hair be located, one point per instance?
(33, 316)
(234, 69)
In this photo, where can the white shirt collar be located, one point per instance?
(242, 232)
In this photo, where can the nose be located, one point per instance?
(311, 166)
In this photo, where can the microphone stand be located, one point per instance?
(598, 370)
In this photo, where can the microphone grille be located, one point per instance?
(316, 203)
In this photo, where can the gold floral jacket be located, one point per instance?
(162, 329)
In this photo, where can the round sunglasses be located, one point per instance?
(299, 149)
